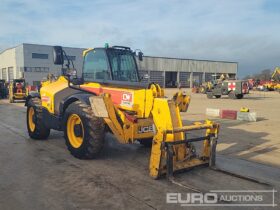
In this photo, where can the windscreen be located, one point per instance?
(96, 65)
(123, 65)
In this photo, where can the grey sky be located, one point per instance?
(244, 31)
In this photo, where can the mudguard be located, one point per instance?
(32, 95)
(83, 97)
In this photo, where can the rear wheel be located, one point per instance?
(83, 132)
(34, 120)
(210, 95)
(239, 96)
(232, 95)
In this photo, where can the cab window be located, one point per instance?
(96, 66)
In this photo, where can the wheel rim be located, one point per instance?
(31, 123)
(75, 120)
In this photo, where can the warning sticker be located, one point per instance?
(127, 99)
(45, 99)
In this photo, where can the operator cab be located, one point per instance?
(115, 64)
(112, 63)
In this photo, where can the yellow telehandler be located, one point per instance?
(111, 97)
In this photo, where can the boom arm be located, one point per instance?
(276, 74)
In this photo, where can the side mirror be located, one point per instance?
(146, 76)
(140, 56)
(58, 58)
(77, 81)
(69, 72)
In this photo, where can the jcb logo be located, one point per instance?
(127, 97)
(146, 129)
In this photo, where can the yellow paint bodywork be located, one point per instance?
(48, 91)
(182, 100)
(139, 97)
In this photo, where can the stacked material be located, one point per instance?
(228, 114)
(213, 112)
(247, 116)
(232, 114)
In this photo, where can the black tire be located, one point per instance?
(93, 131)
(40, 132)
(210, 95)
(212, 158)
(146, 142)
(218, 96)
(232, 95)
(239, 96)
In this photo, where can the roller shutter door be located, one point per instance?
(157, 77)
(184, 79)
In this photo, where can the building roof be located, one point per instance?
(148, 56)
(37, 45)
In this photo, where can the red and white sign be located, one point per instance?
(127, 99)
(231, 86)
(245, 87)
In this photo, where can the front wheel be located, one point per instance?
(83, 132)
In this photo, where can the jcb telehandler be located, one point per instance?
(110, 97)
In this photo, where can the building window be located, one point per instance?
(4, 74)
(36, 69)
(11, 73)
(70, 57)
(40, 56)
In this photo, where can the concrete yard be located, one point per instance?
(43, 174)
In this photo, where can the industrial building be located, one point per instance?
(34, 62)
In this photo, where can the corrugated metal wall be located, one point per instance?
(172, 64)
(185, 67)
